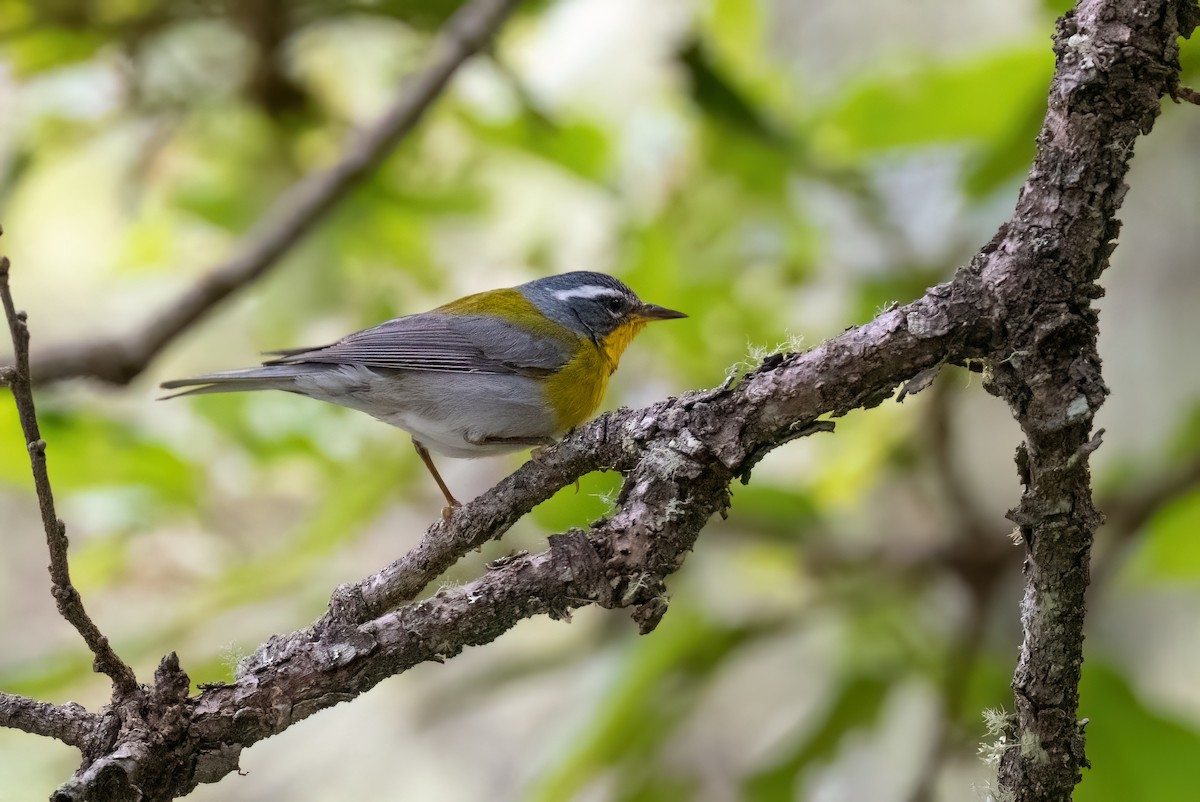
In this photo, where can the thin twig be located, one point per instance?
(69, 723)
(1186, 93)
(119, 359)
(70, 605)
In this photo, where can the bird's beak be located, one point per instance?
(656, 312)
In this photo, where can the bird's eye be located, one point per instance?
(614, 304)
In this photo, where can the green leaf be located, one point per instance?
(48, 676)
(1058, 7)
(1008, 157)
(1136, 753)
(569, 507)
(1170, 550)
(1185, 440)
(1189, 59)
(352, 498)
(231, 165)
(988, 687)
(717, 96)
(899, 285)
(771, 510)
(979, 102)
(424, 15)
(16, 16)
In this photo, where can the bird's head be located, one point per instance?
(596, 306)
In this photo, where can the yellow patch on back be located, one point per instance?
(575, 391)
(512, 307)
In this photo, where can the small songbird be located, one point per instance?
(493, 372)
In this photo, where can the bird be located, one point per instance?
(493, 372)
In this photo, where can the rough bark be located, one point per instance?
(679, 456)
(69, 723)
(1116, 60)
(1022, 307)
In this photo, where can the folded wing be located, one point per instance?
(444, 343)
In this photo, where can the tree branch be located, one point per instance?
(1116, 59)
(69, 723)
(70, 605)
(679, 457)
(1023, 304)
(120, 359)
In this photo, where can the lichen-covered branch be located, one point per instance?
(119, 359)
(1022, 306)
(70, 605)
(1116, 60)
(70, 723)
(679, 457)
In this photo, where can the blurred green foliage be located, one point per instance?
(1170, 551)
(727, 184)
(1129, 744)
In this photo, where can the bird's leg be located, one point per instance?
(451, 501)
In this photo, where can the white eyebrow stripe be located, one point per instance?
(588, 291)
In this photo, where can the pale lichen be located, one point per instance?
(999, 727)
(1032, 750)
(1078, 408)
(1081, 43)
(755, 354)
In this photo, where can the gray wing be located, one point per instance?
(443, 343)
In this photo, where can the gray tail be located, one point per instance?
(267, 377)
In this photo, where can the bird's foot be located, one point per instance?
(538, 454)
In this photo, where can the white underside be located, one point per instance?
(449, 413)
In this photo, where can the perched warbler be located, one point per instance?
(493, 372)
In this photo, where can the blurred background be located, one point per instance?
(780, 169)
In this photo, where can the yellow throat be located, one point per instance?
(577, 390)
